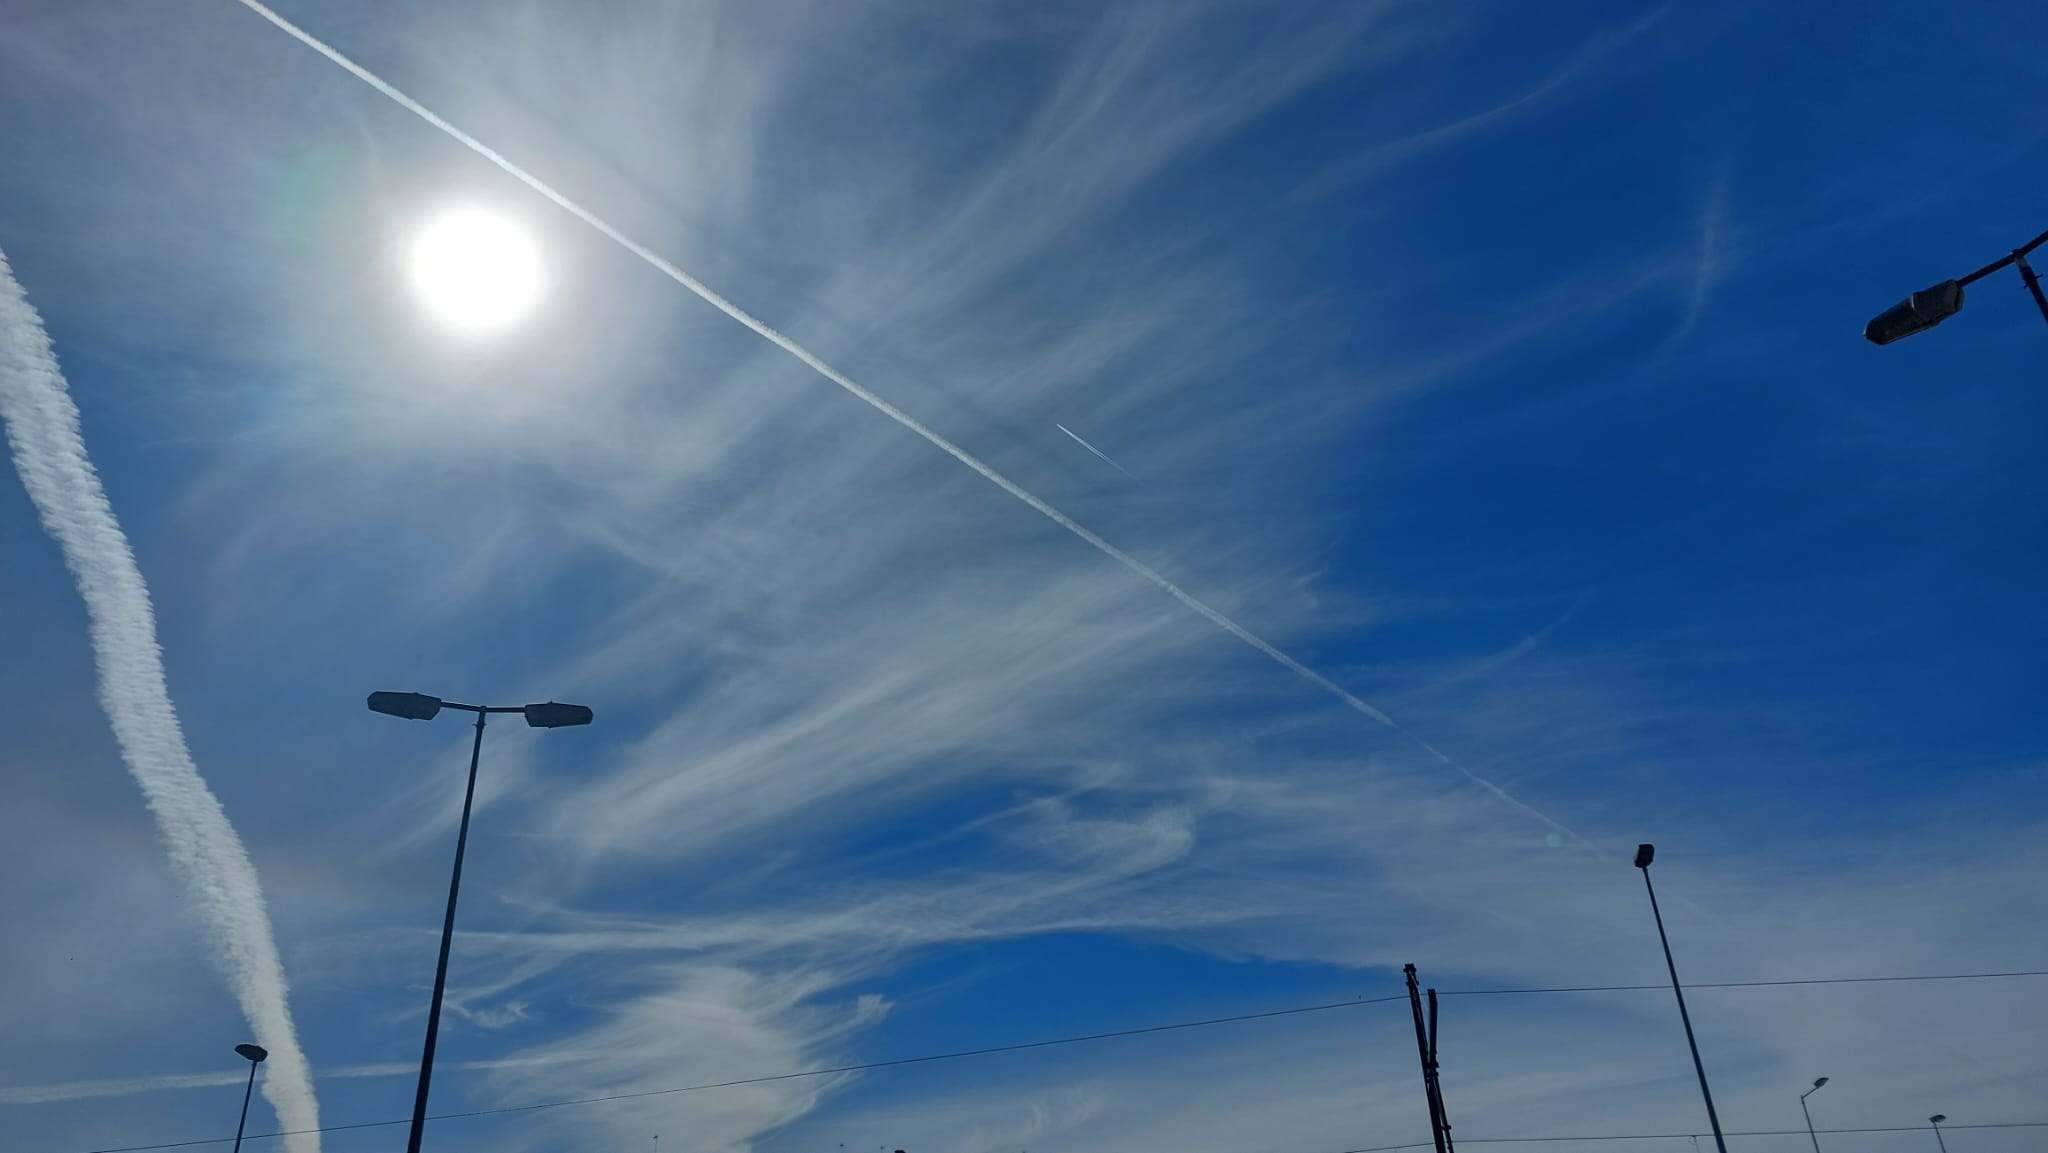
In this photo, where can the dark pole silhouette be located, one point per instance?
(421, 707)
(1818, 1082)
(1425, 1044)
(1936, 1121)
(1644, 855)
(1443, 1117)
(419, 1101)
(1930, 306)
(254, 1054)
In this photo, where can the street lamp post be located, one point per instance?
(1930, 306)
(254, 1054)
(1644, 855)
(1818, 1082)
(1936, 1121)
(421, 707)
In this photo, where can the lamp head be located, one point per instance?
(252, 1053)
(1644, 855)
(1917, 313)
(554, 716)
(411, 706)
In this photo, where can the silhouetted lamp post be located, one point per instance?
(421, 707)
(1817, 1083)
(1936, 1121)
(1644, 855)
(254, 1054)
(1931, 306)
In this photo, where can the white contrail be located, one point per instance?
(811, 360)
(1099, 454)
(49, 451)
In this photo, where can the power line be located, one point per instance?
(1684, 1136)
(1141, 1031)
(1745, 984)
(1367, 1149)
(1732, 1133)
(891, 1063)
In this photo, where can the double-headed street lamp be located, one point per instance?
(1818, 1082)
(421, 707)
(1644, 855)
(1931, 306)
(254, 1054)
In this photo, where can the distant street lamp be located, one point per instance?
(421, 707)
(1818, 1082)
(254, 1054)
(1644, 855)
(1936, 1121)
(1931, 306)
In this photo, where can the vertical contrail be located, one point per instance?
(812, 361)
(49, 451)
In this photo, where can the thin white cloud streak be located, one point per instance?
(1494, 661)
(171, 1082)
(1099, 454)
(1376, 161)
(931, 436)
(49, 452)
(1712, 266)
(117, 1087)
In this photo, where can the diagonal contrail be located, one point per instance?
(1099, 454)
(49, 452)
(812, 361)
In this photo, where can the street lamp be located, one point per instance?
(255, 1055)
(1644, 855)
(1936, 1121)
(1931, 306)
(1817, 1083)
(421, 707)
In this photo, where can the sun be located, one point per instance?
(476, 270)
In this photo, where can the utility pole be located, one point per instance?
(1425, 1044)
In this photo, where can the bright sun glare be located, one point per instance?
(476, 270)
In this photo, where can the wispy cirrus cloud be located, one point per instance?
(873, 400)
(873, 639)
(862, 715)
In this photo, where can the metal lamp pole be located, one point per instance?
(1644, 855)
(254, 1054)
(1818, 1082)
(421, 707)
(1936, 1121)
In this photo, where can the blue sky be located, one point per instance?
(1500, 362)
